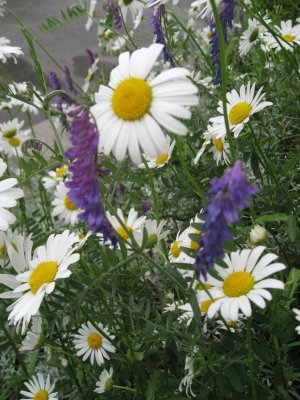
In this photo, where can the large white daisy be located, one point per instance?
(7, 51)
(50, 263)
(90, 342)
(289, 36)
(240, 107)
(8, 197)
(63, 208)
(130, 110)
(243, 281)
(39, 388)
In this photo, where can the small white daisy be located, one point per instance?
(240, 107)
(135, 7)
(154, 233)
(39, 388)
(12, 137)
(205, 8)
(8, 197)
(206, 34)
(132, 222)
(130, 110)
(50, 263)
(160, 160)
(63, 207)
(289, 36)
(90, 75)
(54, 177)
(297, 312)
(33, 337)
(189, 367)
(176, 255)
(220, 147)
(155, 3)
(90, 342)
(105, 383)
(7, 239)
(250, 36)
(243, 281)
(7, 51)
(35, 102)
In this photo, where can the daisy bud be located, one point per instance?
(258, 235)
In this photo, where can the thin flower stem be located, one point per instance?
(251, 359)
(186, 171)
(61, 148)
(30, 123)
(15, 349)
(153, 193)
(223, 62)
(124, 388)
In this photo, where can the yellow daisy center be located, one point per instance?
(288, 38)
(175, 249)
(41, 395)
(132, 99)
(204, 306)
(238, 284)
(44, 272)
(161, 159)
(209, 35)
(122, 232)
(200, 287)
(239, 113)
(95, 340)
(219, 145)
(69, 205)
(60, 172)
(14, 142)
(194, 245)
(127, 2)
(3, 249)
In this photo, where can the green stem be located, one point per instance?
(124, 388)
(251, 359)
(153, 193)
(186, 171)
(15, 349)
(61, 148)
(223, 63)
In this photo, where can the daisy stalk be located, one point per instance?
(223, 61)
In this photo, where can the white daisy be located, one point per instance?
(243, 281)
(205, 8)
(206, 34)
(105, 382)
(63, 207)
(91, 342)
(33, 337)
(220, 147)
(54, 177)
(34, 102)
(258, 235)
(160, 160)
(176, 255)
(132, 223)
(90, 75)
(155, 3)
(297, 312)
(188, 379)
(8, 197)
(154, 233)
(7, 239)
(135, 7)
(240, 107)
(12, 137)
(50, 263)
(289, 36)
(250, 36)
(129, 111)
(39, 388)
(7, 51)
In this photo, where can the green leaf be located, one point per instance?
(255, 166)
(152, 385)
(291, 227)
(271, 218)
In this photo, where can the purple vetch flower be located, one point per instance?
(84, 184)
(54, 81)
(111, 4)
(228, 194)
(90, 56)
(68, 80)
(155, 23)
